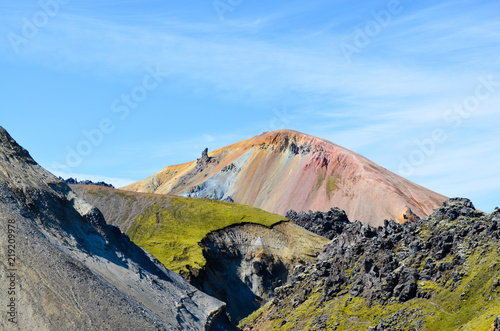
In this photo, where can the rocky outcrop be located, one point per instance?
(282, 170)
(328, 224)
(396, 263)
(69, 270)
(204, 156)
(204, 161)
(387, 262)
(245, 263)
(74, 181)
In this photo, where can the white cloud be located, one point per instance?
(393, 92)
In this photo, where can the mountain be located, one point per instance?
(236, 253)
(63, 268)
(282, 170)
(439, 273)
(67, 265)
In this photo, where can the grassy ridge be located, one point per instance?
(172, 233)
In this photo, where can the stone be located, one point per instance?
(496, 325)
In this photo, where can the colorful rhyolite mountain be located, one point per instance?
(282, 170)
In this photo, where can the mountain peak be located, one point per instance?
(282, 134)
(285, 169)
(285, 135)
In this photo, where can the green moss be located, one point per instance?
(256, 314)
(300, 318)
(320, 181)
(473, 304)
(331, 184)
(172, 232)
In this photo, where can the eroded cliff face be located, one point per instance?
(64, 268)
(170, 227)
(283, 170)
(245, 263)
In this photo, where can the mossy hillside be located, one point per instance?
(446, 310)
(172, 233)
(475, 303)
(252, 317)
(170, 227)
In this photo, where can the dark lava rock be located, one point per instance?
(392, 263)
(75, 181)
(386, 263)
(327, 224)
(497, 324)
(454, 208)
(409, 292)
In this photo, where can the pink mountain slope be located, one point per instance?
(282, 170)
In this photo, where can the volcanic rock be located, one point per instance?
(448, 259)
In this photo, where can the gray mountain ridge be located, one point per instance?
(63, 268)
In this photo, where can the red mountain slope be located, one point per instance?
(283, 170)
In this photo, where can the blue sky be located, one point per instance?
(414, 86)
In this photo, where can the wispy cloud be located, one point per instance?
(208, 54)
(395, 91)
